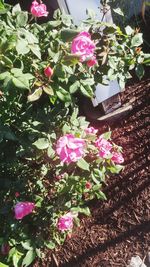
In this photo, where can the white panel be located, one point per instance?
(78, 9)
(62, 5)
(104, 92)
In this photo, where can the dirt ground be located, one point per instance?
(119, 228)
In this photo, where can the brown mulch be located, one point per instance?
(119, 227)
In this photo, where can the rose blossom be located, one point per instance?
(17, 194)
(83, 46)
(38, 10)
(104, 147)
(69, 148)
(48, 71)
(91, 130)
(117, 157)
(22, 209)
(65, 222)
(91, 62)
(88, 185)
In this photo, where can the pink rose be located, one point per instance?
(65, 222)
(91, 62)
(17, 194)
(117, 157)
(22, 209)
(83, 46)
(38, 10)
(48, 71)
(69, 148)
(5, 248)
(91, 130)
(104, 147)
(88, 185)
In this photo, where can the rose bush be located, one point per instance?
(52, 163)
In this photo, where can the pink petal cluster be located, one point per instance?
(22, 209)
(104, 147)
(91, 130)
(117, 157)
(38, 10)
(48, 71)
(69, 148)
(65, 222)
(83, 46)
(93, 61)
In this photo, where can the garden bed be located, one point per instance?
(119, 227)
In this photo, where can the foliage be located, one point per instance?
(27, 48)
(37, 110)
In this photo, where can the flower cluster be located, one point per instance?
(70, 148)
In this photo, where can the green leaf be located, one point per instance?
(89, 81)
(16, 9)
(16, 72)
(35, 95)
(22, 19)
(129, 30)
(50, 244)
(87, 91)
(27, 245)
(35, 49)
(3, 265)
(48, 90)
(63, 95)
(90, 13)
(140, 71)
(146, 59)
(8, 63)
(137, 40)
(50, 152)
(39, 253)
(82, 164)
(66, 19)
(16, 258)
(118, 11)
(4, 75)
(74, 87)
(20, 82)
(101, 195)
(85, 210)
(29, 258)
(22, 47)
(41, 143)
(107, 135)
(115, 168)
(68, 34)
